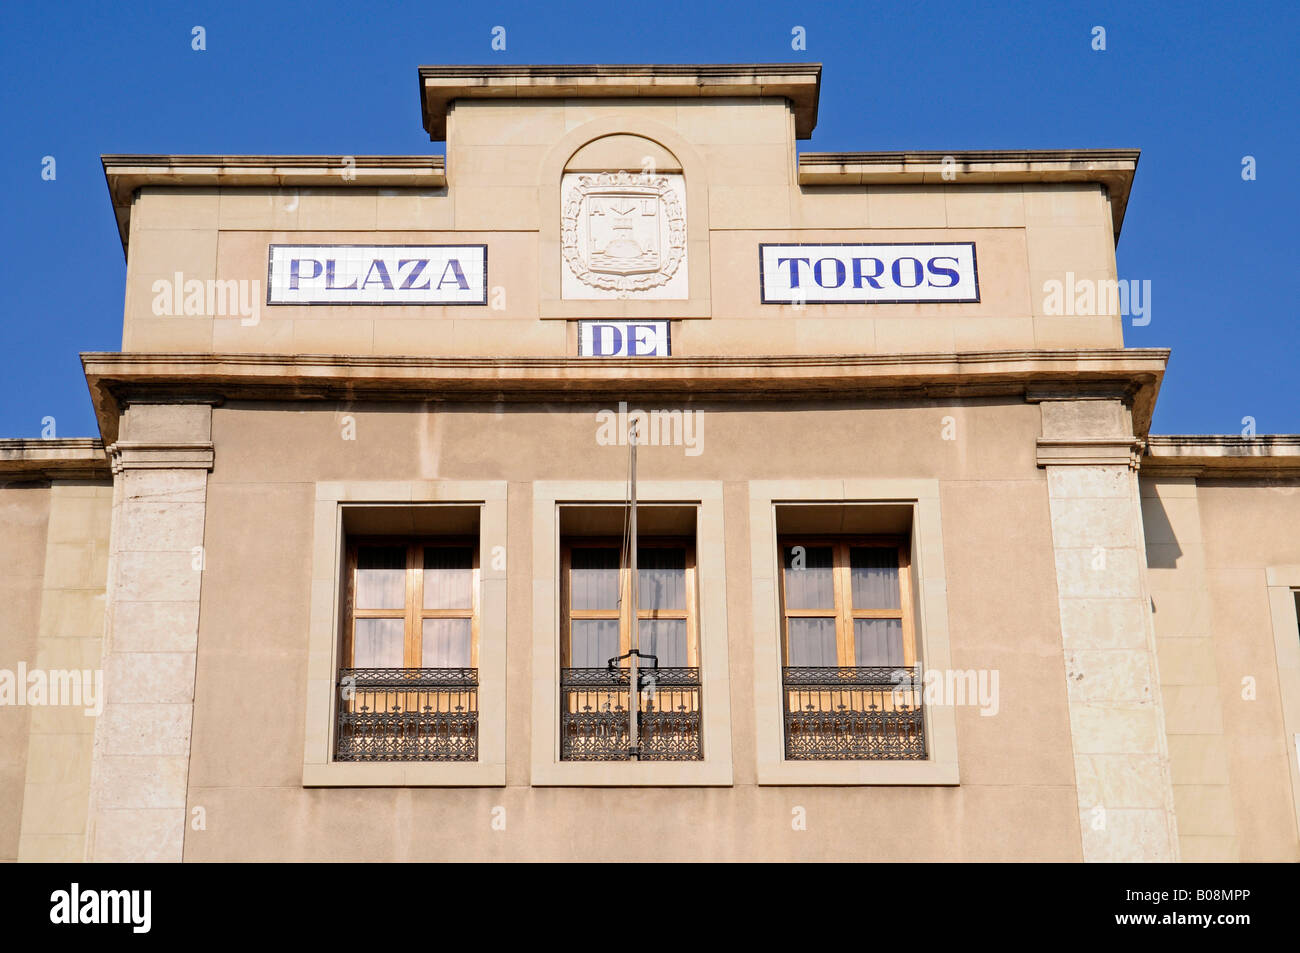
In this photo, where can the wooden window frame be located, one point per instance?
(413, 613)
(844, 612)
(623, 613)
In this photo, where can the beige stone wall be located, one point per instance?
(1017, 796)
(504, 162)
(1210, 546)
(24, 517)
(69, 637)
(54, 539)
(1190, 683)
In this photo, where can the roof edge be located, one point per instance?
(62, 458)
(124, 174)
(1222, 455)
(1114, 169)
(440, 86)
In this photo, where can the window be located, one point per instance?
(843, 602)
(410, 651)
(850, 676)
(596, 629)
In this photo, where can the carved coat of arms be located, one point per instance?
(622, 231)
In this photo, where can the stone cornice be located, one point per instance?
(63, 458)
(440, 86)
(127, 173)
(1229, 457)
(116, 377)
(1113, 168)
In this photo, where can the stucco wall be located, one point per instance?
(1210, 544)
(1246, 529)
(1017, 796)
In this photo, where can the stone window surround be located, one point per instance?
(1282, 583)
(332, 498)
(547, 768)
(931, 628)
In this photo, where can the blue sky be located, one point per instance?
(1195, 87)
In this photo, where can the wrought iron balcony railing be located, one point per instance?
(862, 713)
(594, 714)
(407, 714)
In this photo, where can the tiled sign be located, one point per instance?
(868, 273)
(377, 274)
(623, 339)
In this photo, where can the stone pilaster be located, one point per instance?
(1117, 726)
(142, 740)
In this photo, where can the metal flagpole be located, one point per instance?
(634, 696)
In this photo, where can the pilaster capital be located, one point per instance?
(1090, 451)
(142, 455)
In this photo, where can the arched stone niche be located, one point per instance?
(625, 152)
(630, 226)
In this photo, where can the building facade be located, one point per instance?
(346, 573)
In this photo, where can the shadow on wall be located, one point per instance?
(1162, 545)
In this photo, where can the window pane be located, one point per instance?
(595, 642)
(875, 577)
(662, 572)
(446, 643)
(878, 641)
(448, 577)
(378, 643)
(666, 639)
(594, 579)
(812, 642)
(809, 583)
(381, 577)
